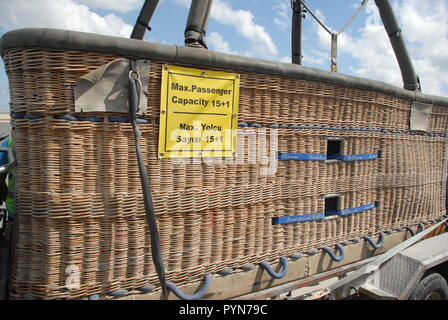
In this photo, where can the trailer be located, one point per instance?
(146, 171)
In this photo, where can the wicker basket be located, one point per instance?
(78, 194)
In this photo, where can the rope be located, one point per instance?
(363, 4)
(334, 35)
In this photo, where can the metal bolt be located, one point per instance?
(238, 76)
(163, 111)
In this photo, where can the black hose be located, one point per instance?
(134, 97)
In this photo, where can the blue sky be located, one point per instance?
(261, 29)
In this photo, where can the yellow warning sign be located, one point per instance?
(198, 113)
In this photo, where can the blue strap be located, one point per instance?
(68, 117)
(301, 218)
(91, 119)
(346, 212)
(302, 156)
(377, 245)
(198, 295)
(18, 115)
(333, 256)
(272, 273)
(321, 215)
(118, 119)
(357, 157)
(33, 116)
(323, 156)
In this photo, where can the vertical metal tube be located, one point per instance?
(197, 23)
(410, 80)
(296, 34)
(143, 19)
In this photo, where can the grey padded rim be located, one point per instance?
(72, 40)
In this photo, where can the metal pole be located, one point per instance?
(142, 23)
(296, 34)
(410, 80)
(197, 23)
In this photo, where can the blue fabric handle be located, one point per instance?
(357, 157)
(302, 156)
(333, 256)
(277, 275)
(302, 218)
(346, 212)
(198, 295)
(323, 156)
(321, 215)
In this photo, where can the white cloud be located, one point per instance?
(216, 42)
(285, 59)
(371, 50)
(116, 5)
(283, 15)
(61, 14)
(316, 58)
(426, 34)
(260, 43)
(425, 27)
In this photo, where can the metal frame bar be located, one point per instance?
(410, 79)
(143, 19)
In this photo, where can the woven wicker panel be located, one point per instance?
(438, 120)
(410, 160)
(42, 81)
(408, 206)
